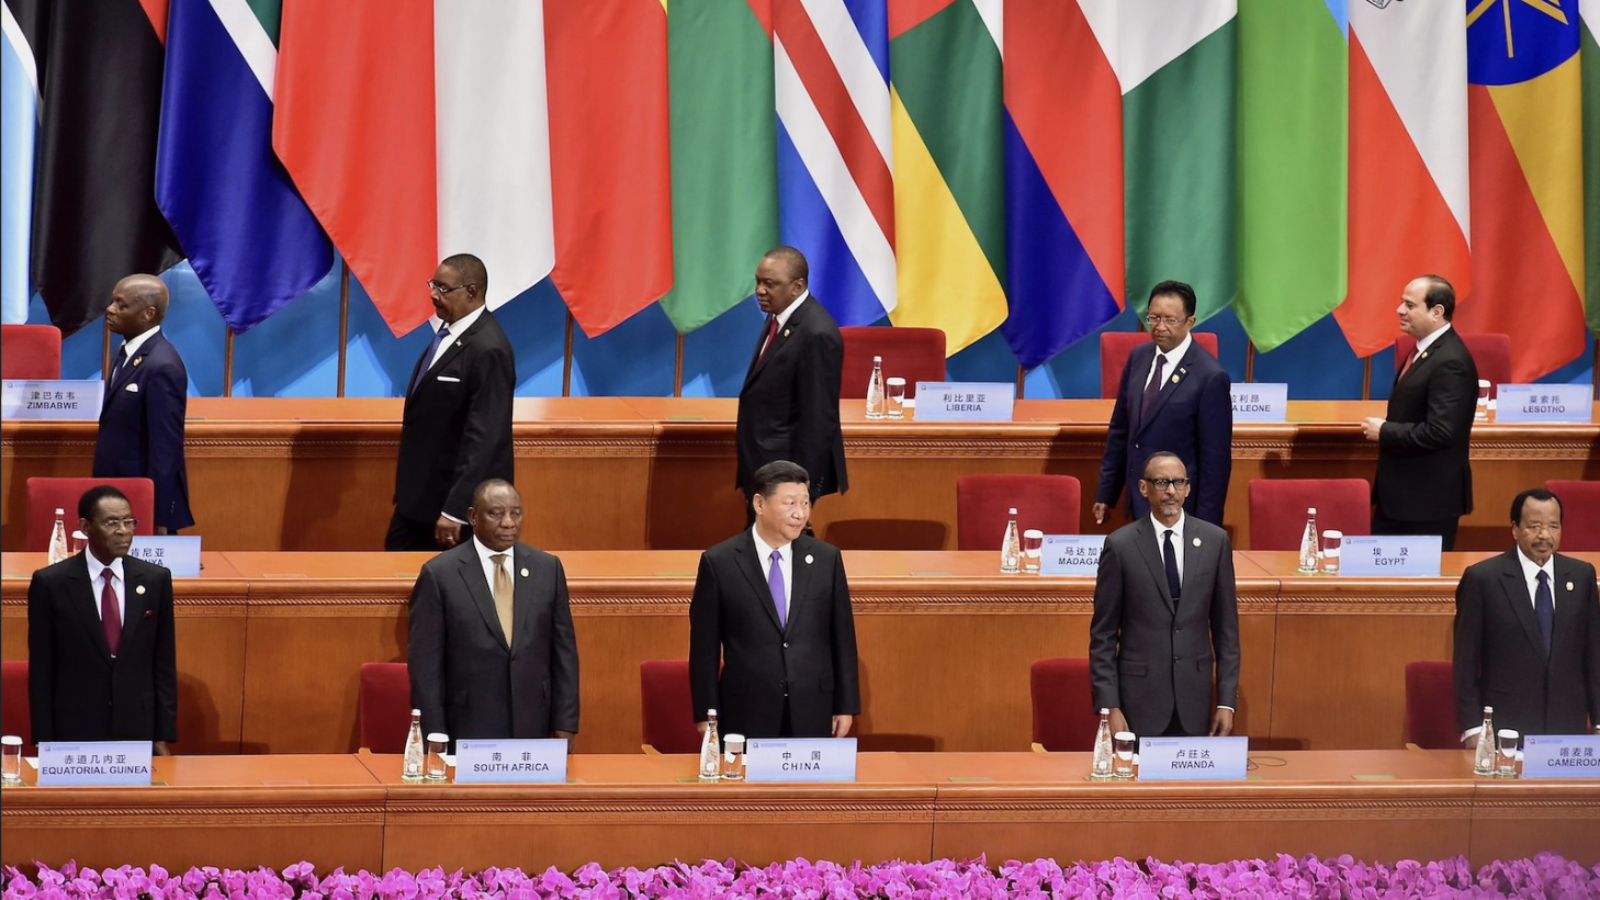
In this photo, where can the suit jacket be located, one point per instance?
(789, 406)
(1192, 417)
(456, 430)
(1499, 653)
(811, 660)
(77, 690)
(141, 428)
(465, 677)
(1149, 654)
(1423, 471)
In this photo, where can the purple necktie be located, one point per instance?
(1153, 388)
(775, 585)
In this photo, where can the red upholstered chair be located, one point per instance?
(30, 351)
(1278, 509)
(666, 707)
(915, 354)
(384, 707)
(1116, 345)
(1580, 527)
(1064, 717)
(14, 714)
(46, 495)
(1491, 353)
(1049, 503)
(1431, 706)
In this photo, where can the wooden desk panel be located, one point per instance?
(1522, 818)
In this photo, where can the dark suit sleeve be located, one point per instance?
(493, 377)
(1104, 628)
(563, 660)
(425, 651)
(165, 405)
(1450, 388)
(1467, 657)
(705, 639)
(817, 405)
(41, 660)
(1114, 461)
(165, 660)
(1225, 630)
(1215, 445)
(846, 674)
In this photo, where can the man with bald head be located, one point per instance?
(147, 398)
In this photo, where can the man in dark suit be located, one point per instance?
(1166, 617)
(456, 430)
(147, 398)
(772, 607)
(1527, 632)
(1424, 482)
(492, 652)
(1173, 396)
(789, 406)
(102, 665)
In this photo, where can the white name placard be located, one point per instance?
(1370, 554)
(965, 401)
(521, 761)
(1071, 554)
(1193, 758)
(95, 763)
(180, 553)
(1260, 402)
(801, 759)
(1561, 756)
(58, 399)
(1568, 403)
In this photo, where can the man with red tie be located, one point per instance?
(102, 665)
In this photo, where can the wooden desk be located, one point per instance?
(657, 473)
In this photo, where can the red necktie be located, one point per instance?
(772, 334)
(109, 617)
(1407, 367)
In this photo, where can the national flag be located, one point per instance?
(19, 123)
(253, 243)
(1525, 120)
(949, 160)
(1589, 63)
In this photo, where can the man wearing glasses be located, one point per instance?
(1166, 618)
(456, 430)
(1173, 396)
(101, 661)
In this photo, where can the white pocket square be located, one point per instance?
(450, 378)
(133, 386)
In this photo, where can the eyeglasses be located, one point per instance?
(1162, 484)
(442, 289)
(128, 524)
(1169, 321)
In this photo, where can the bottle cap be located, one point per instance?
(1487, 710)
(1105, 712)
(711, 712)
(877, 359)
(1311, 511)
(1013, 510)
(61, 512)
(438, 737)
(416, 712)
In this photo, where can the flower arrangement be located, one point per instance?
(1545, 877)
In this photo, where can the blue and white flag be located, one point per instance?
(19, 123)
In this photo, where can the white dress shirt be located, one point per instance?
(1172, 362)
(785, 564)
(1161, 537)
(457, 329)
(131, 346)
(118, 584)
(1431, 339)
(786, 315)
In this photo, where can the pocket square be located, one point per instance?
(450, 378)
(133, 386)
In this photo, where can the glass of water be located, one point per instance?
(438, 746)
(1122, 744)
(1482, 412)
(1506, 760)
(1032, 550)
(1331, 542)
(10, 760)
(733, 757)
(897, 398)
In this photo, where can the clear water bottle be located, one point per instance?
(1102, 747)
(1310, 544)
(411, 769)
(1011, 547)
(875, 390)
(58, 538)
(710, 750)
(1483, 755)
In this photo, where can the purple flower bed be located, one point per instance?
(1545, 877)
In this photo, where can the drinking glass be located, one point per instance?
(10, 760)
(1506, 764)
(733, 757)
(1122, 747)
(897, 398)
(78, 540)
(438, 745)
(1482, 412)
(1331, 542)
(1032, 550)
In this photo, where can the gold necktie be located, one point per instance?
(502, 593)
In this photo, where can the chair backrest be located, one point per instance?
(1064, 717)
(384, 706)
(15, 717)
(1278, 509)
(1116, 345)
(915, 354)
(1049, 503)
(666, 707)
(46, 495)
(30, 351)
(1491, 354)
(1580, 527)
(1431, 705)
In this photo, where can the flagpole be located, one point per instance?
(677, 373)
(1596, 372)
(566, 365)
(227, 364)
(344, 319)
(1022, 381)
(1249, 361)
(1366, 378)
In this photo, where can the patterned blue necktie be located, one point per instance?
(775, 585)
(1544, 609)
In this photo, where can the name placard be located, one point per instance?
(801, 759)
(1561, 756)
(965, 401)
(1371, 554)
(180, 553)
(95, 763)
(509, 761)
(54, 399)
(1567, 403)
(1260, 402)
(1193, 758)
(1071, 554)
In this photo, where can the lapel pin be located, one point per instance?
(1424, 355)
(786, 332)
(137, 360)
(524, 573)
(1174, 379)
(139, 589)
(1197, 542)
(1569, 586)
(809, 557)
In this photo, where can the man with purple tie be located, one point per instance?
(771, 607)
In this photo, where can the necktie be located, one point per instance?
(766, 342)
(775, 585)
(1544, 609)
(1415, 355)
(502, 593)
(116, 367)
(1154, 387)
(427, 358)
(1169, 556)
(110, 618)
